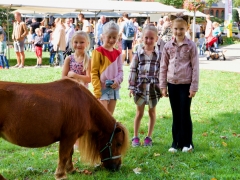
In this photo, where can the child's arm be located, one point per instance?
(119, 78)
(95, 74)
(81, 78)
(65, 69)
(133, 72)
(163, 72)
(195, 72)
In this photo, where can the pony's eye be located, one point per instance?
(119, 144)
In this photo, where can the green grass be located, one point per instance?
(215, 113)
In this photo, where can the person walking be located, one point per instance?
(127, 31)
(208, 33)
(59, 41)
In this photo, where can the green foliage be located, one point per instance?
(236, 3)
(210, 2)
(3, 21)
(175, 3)
(235, 15)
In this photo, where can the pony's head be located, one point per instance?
(107, 149)
(116, 146)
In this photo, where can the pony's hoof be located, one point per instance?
(60, 176)
(71, 171)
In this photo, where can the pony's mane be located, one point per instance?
(89, 145)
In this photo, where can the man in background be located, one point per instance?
(19, 33)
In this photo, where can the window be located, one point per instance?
(222, 14)
(211, 12)
(217, 13)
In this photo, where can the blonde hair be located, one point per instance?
(215, 24)
(150, 27)
(60, 21)
(38, 29)
(110, 25)
(202, 36)
(86, 57)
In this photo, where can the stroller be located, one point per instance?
(215, 53)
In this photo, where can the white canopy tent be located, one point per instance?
(62, 6)
(95, 6)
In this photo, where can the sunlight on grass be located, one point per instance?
(216, 122)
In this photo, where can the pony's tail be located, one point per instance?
(88, 149)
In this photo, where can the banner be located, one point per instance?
(228, 10)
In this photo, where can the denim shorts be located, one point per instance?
(110, 95)
(126, 44)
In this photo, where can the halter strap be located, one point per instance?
(109, 145)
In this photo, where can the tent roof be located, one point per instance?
(62, 6)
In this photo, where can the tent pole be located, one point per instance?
(193, 26)
(8, 32)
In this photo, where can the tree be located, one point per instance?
(175, 3)
(179, 3)
(236, 3)
(3, 20)
(235, 15)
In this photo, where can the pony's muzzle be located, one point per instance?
(113, 167)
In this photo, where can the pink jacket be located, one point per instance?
(180, 65)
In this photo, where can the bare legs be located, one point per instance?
(109, 105)
(138, 117)
(20, 58)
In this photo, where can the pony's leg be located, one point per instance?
(65, 149)
(69, 165)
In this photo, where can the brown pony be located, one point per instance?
(37, 115)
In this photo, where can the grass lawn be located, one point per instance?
(216, 122)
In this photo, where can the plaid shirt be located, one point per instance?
(144, 77)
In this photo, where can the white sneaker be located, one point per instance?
(172, 150)
(187, 149)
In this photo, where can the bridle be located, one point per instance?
(109, 145)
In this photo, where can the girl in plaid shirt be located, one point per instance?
(144, 82)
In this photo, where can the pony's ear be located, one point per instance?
(118, 130)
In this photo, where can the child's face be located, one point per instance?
(80, 44)
(149, 38)
(179, 29)
(110, 38)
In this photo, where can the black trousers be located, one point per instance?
(182, 123)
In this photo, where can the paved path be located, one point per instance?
(232, 62)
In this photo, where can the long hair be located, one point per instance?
(86, 57)
(89, 145)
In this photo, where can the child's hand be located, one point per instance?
(164, 92)
(114, 85)
(191, 94)
(71, 74)
(130, 93)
